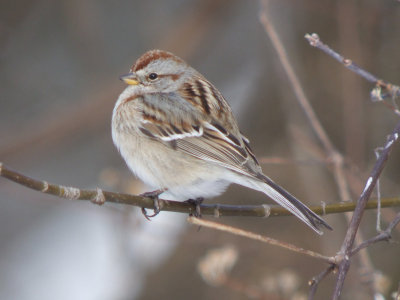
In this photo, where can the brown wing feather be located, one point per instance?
(209, 133)
(208, 142)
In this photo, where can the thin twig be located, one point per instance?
(382, 90)
(377, 95)
(298, 90)
(385, 235)
(270, 160)
(315, 41)
(348, 242)
(258, 237)
(333, 155)
(378, 196)
(314, 282)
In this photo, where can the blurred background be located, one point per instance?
(59, 68)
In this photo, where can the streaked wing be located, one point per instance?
(203, 126)
(168, 132)
(219, 147)
(208, 141)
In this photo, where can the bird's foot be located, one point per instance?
(197, 202)
(157, 208)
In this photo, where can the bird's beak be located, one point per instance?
(130, 79)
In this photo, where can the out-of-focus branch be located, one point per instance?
(259, 237)
(290, 161)
(333, 155)
(297, 88)
(99, 196)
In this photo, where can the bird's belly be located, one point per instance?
(160, 166)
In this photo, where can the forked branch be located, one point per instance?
(348, 242)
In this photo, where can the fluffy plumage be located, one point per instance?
(176, 131)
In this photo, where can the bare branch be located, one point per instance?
(315, 41)
(385, 235)
(376, 94)
(333, 155)
(314, 282)
(348, 242)
(258, 237)
(270, 160)
(297, 88)
(99, 197)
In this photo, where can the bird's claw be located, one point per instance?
(157, 207)
(197, 202)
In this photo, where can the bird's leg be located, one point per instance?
(153, 195)
(197, 202)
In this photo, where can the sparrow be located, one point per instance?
(177, 133)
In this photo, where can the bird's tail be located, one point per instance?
(285, 199)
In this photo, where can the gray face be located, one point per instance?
(163, 75)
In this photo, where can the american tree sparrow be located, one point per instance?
(177, 133)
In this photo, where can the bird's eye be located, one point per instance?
(153, 76)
